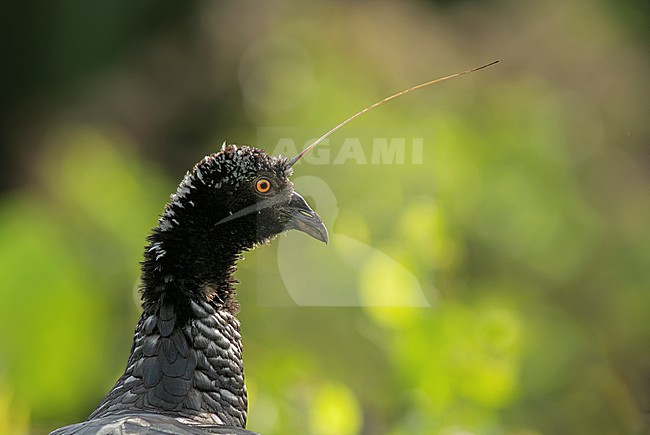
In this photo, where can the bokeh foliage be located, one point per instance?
(526, 225)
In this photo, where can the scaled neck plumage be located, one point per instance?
(186, 360)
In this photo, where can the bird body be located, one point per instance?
(150, 424)
(185, 372)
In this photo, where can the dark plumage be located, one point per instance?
(185, 372)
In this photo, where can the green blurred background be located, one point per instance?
(526, 226)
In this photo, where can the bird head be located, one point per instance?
(243, 195)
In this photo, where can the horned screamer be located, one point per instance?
(185, 373)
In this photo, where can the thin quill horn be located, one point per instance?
(379, 103)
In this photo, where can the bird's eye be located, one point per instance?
(263, 185)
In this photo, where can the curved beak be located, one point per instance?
(303, 218)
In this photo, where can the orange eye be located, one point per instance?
(263, 185)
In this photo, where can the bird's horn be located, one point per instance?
(379, 103)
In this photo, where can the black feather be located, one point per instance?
(146, 424)
(185, 371)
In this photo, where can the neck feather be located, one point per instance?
(191, 370)
(188, 257)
